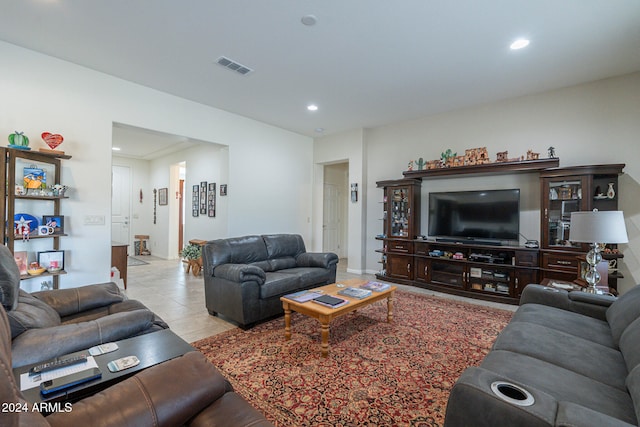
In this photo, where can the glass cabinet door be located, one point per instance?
(400, 211)
(562, 198)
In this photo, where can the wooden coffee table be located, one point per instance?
(326, 314)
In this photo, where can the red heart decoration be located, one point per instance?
(52, 140)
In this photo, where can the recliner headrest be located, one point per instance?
(9, 279)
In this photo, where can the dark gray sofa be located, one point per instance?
(48, 324)
(244, 277)
(565, 359)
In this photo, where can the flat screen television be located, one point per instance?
(489, 216)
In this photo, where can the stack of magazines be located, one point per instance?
(355, 292)
(376, 286)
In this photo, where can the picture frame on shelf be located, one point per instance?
(54, 221)
(163, 195)
(52, 260)
(34, 178)
(22, 261)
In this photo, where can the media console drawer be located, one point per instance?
(400, 246)
(567, 262)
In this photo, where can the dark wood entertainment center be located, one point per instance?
(483, 271)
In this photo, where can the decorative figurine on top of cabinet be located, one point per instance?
(420, 163)
(52, 140)
(410, 165)
(551, 152)
(19, 140)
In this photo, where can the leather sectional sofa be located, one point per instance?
(48, 324)
(565, 359)
(187, 390)
(244, 277)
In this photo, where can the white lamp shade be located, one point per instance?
(598, 227)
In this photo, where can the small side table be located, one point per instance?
(195, 265)
(119, 259)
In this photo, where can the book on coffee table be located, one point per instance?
(355, 292)
(330, 301)
(376, 286)
(303, 296)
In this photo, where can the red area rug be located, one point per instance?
(377, 373)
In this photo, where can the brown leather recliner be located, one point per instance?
(187, 390)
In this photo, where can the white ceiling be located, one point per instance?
(365, 63)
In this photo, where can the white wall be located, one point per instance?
(593, 123)
(269, 168)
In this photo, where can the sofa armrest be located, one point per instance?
(37, 345)
(317, 259)
(169, 394)
(572, 414)
(76, 300)
(576, 301)
(240, 273)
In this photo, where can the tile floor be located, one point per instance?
(178, 297)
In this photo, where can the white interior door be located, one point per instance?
(331, 219)
(120, 204)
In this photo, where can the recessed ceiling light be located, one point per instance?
(115, 148)
(312, 107)
(319, 130)
(309, 20)
(519, 44)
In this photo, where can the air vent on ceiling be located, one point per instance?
(234, 66)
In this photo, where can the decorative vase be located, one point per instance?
(611, 193)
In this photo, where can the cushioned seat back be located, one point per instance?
(236, 250)
(284, 245)
(9, 279)
(623, 312)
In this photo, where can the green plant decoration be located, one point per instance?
(19, 139)
(420, 163)
(191, 252)
(447, 155)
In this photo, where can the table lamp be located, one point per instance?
(597, 228)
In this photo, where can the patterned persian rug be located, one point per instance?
(377, 373)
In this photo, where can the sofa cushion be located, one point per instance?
(31, 313)
(567, 321)
(623, 312)
(633, 385)
(236, 250)
(9, 279)
(565, 350)
(561, 383)
(76, 300)
(283, 245)
(263, 265)
(630, 345)
(279, 283)
(310, 276)
(282, 263)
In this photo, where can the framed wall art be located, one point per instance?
(203, 197)
(223, 189)
(163, 194)
(195, 200)
(211, 200)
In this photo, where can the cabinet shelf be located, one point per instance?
(45, 274)
(492, 168)
(50, 163)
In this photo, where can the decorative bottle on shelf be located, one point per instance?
(611, 193)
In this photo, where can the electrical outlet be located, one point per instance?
(94, 220)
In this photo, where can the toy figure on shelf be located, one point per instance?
(420, 163)
(19, 140)
(410, 165)
(551, 152)
(532, 156)
(447, 157)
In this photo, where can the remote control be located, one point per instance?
(58, 363)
